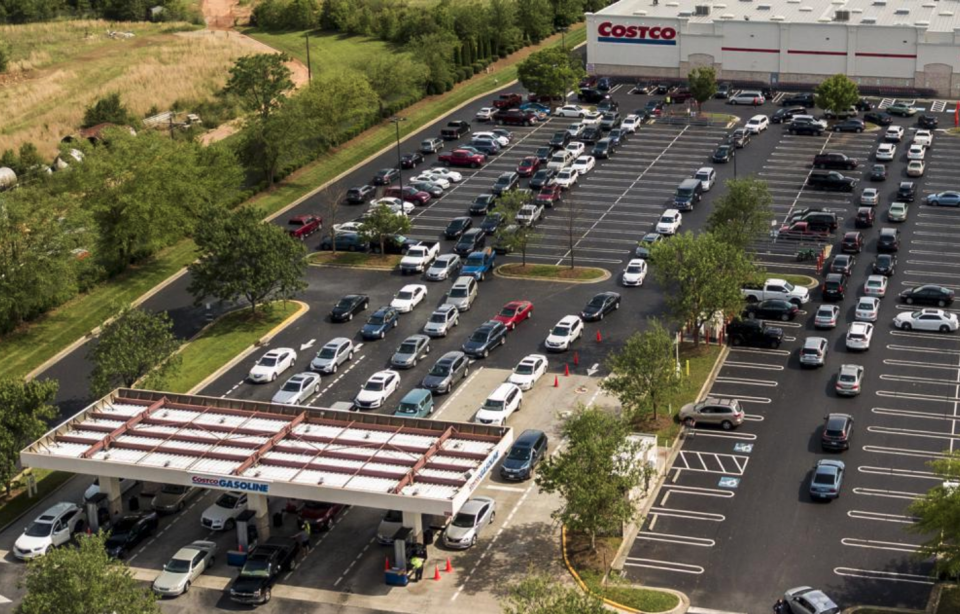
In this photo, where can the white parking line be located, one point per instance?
(680, 540)
(752, 365)
(895, 518)
(688, 514)
(759, 351)
(880, 545)
(889, 494)
(906, 413)
(726, 435)
(917, 397)
(679, 489)
(747, 382)
(903, 452)
(889, 576)
(920, 364)
(900, 473)
(886, 430)
(663, 565)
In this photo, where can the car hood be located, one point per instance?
(474, 345)
(435, 381)
(403, 357)
(366, 396)
(459, 533)
(215, 512)
(116, 542)
(486, 415)
(320, 362)
(400, 303)
(590, 310)
(27, 543)
(169, 581)
(515, 464)
(557, 340)
(247, 584)
(520, 379)
(373, 328)
(436, 326)
(285, 397)
(261, 371)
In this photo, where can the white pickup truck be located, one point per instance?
(419, 257)
(776, 288)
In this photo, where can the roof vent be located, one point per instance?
(778, 18)
(673, 4)
(902, 11)
(640, 13)
(879, 2)
(838, 2)
(727, 16)
(929, 5)
(684, 14)
(824, 20)
(841, 16)
(793, 1)
(806, 9)
(719, 6)
(702, 9)
(923, 23)
(946, 13)
(856, 11)
(869, 20)
(763, 7)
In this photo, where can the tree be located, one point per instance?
(571, 215)
(594, 474)
(242, 257)
(4, 58)
(382, 224)
(938, 518)
(539, 593)
(82, 580)
(535, 19)
(551, 72)
(837, 93)
(501, 19)
(266, 142)
(515, 237)
(702, 81)
(743, 213)
(336, 100)
(109, 109)
(644, 372)
(25, 410)
(136, 343)
(436, 52)
(705, 275)
(392, 74)
(335, 195)
(260, 82)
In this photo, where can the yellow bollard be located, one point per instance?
(688, 368)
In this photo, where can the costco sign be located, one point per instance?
(609, 32)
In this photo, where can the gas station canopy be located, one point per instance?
(370, 460)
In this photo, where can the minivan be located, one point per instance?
(525, 454)
(688, 194)
(462, 293)
(418, 403)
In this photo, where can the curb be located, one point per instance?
(304, 308)
(607, 275)
(813, 283)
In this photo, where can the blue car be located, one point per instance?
(944, 199)
(380, 323)
(487, 337)
(827, 479)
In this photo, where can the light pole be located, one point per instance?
(563, 38)
(396, 122)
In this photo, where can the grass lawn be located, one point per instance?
(949, 601)
(360, 260)
(552, 271)
(327, 49)
(18, 501)
(799, 280)
(220, 342)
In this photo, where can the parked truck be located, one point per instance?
(454, 130)
(479, 263)
(263, 566)
(302, 226)
(419, 257)
(776, 289)
(462, 157)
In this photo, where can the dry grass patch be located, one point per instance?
(550, 271)
(60, 68)
(361, 260)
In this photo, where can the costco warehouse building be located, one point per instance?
(881, 44)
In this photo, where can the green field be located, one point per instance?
(327, 49)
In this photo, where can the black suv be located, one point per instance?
(457, 227)
(806, 127)
(526, 453)
(889, 240)
(349, 306)
(805, 100)
(591, 135)
(505, 182)
(831, 180)
(786, 114)
(482, 204)
(470, 241)
(834, 286)
(907, 191)
(833, 161)
(837, 429)
(928, 121)
(885, 264)
(129, 531)
(754, 334)
(560, 139)
(542, 178)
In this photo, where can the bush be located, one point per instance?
(478, 67)
(467, 72)
(494, 58)
(4, 58)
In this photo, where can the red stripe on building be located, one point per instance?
(887, 55)
(748, 50)
(798, 52)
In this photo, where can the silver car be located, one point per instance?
(462, 293)
(443, 318)
(814, 352)
(807, 600)
(335, 353)
(173, 498)
(410, 351)
(466, 526)
(444, 267)
(725, 413)
(298, 389)
(184, 568)
(827, 316)
(849, 380)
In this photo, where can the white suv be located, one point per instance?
(669, 222)
(52, 528)
(757, 124)
(567, 330)
(859, 335)
(505, 400)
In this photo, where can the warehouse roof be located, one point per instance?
(930, 15)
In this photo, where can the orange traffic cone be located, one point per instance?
(566, 370)
(556, 381)
(599, 337)
(436, 572)
(576, 358)
(386, 564)
(449, 568)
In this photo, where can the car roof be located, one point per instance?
(502, 391)
(859, 327)
(450, 356)
(276, 352)
(569, 320)
(56, 510)
(417, 394)
(850, 369)
(532, 357)
(527, 438)
(814, 342)
(836, 419)
(716, 401)
(473, 505)
(382, 375)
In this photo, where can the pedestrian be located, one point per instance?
(780, 607)
(307, 530)
(417, 564)
(668, 100)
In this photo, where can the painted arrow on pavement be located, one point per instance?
(307, 345)
(593, 369)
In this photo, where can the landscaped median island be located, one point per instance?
(798, 280)
(552, 272)
(360, 260)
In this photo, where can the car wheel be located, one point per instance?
(726, 425)
(503, 340)
(784, 317)
(466, 372)
(186, 587)
(944, 329)
(752, 315)
(485, 353)
(909, 300)
(266, 595)
(180, 506)
(473, 542)
(941, 303)
(274, 378)
(230, 524)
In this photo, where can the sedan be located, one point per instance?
(447, 173)
(876, 285)
(386, 176)
(184, 568)
(543, 178)
(868, 309)
(444, 267)
(772, 309)
(600, 305)
(409, 297)
(724, 153)
(898, 212)
(927, 319)
(635, 272)
(859, 335)
(567, 330)
(470, 521)
(505, 183)
(870, 197)
(886, 151)
(411, 159)
(451, 369)
(410, 352)
(567, 178)
(826, 480)
(928, 295)
(878, 172)
(528, 371)
(377, 389)
(271, 365)
(491, 223)
(437, 180)
(645, 244)
(570, 110)
(298, 389)
(380, 322)
(584, 164)
(129, 531)
(879, 118)
(944, 199)
(457, 227)
(885, 264)
(485, 114)
(487, 337)
(482, 204)
(849, 379)
(843, 264)
(827, 316)
(528, 166)
(349, 306)
(434, 189)
(903, 110)
(515, 312)
(916, 168)
(806, 600)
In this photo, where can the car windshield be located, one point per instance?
(667, 219)
(408, 347)
(458, 292)
(291, 386)
(174, 489)
(177, 566)
(475, 261)
(561, 331)
(227, 501)
(407, 408)
(873, 283)
(508, 311)
(375, 320)
(438, 318)
(493, 405)
(268, 361)
(256, 569)
(464, 521)
(440, 370)
(479, 336)
(520, 454)
(327, 353)
(823, 478)
(634, 268)
(374, 386)
(524, 368)
(39, 529)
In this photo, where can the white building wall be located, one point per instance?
(751, 47)
(816, 49)
(632, 50)
(885, 52)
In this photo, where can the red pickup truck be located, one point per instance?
(302, 226)
(462, 157)
(508, 101)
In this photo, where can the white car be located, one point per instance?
(400, 207)
(567, 178)
(575, 130)
(409, 297)
(298, 389)
(184, 568)
(859, 335)
(436, 178)
(876, 285)
(868, 309)
(635, 272)
(669, 222)
(500, 405)
(707, 176)
(916, 152)
(757, 124)
(893, 133)
(870, 197)
(923, 137)
(50, 529)
(530, 369)
(222, 515)
(591, 118)
(529, 214)
(630, 123)
(485, 114)
(927, 319)
(886, 151)
(570, 110)
(915, 168)
(584, 164)
(499, 139)
(347, 227)
(271, 365)
(446, 173)
(576, 148)
(377, 389)
(567, 330)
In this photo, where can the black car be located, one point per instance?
(834, 287)
(591, 134)
(724, 153)
(753, 334)
(482, 204)
(129, 531)
(434, 190)
(907, 191)
(837, 429)
(800, 100)
(491, 223)
(470, 241)
(653, 107)
(928, 121)
(505, 182)
(864, 105)
(600, 305)
(865, 217)
(345, 242)
(843, 264)
(850, 125)
(457, 227)
(617, 136)
(786, 114)
(878, 172)
(878, 117)
(603, 149)
(380, 323)
(739, 138)
(542, 178)
(723, 90)
(772, 309)
(386, 176)
(885, 264)
(488, 336)
(928, 295)
(410, 160)
(560, 139)
(543, 154)
(349, 306)
(360, 194)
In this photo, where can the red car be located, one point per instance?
(302, 226)
(515, 312)
(408, 193)
(528, 166)
(462, 157)
(320, 515)
(549, 195)
(508, 101)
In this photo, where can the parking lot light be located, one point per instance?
(395, 120)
